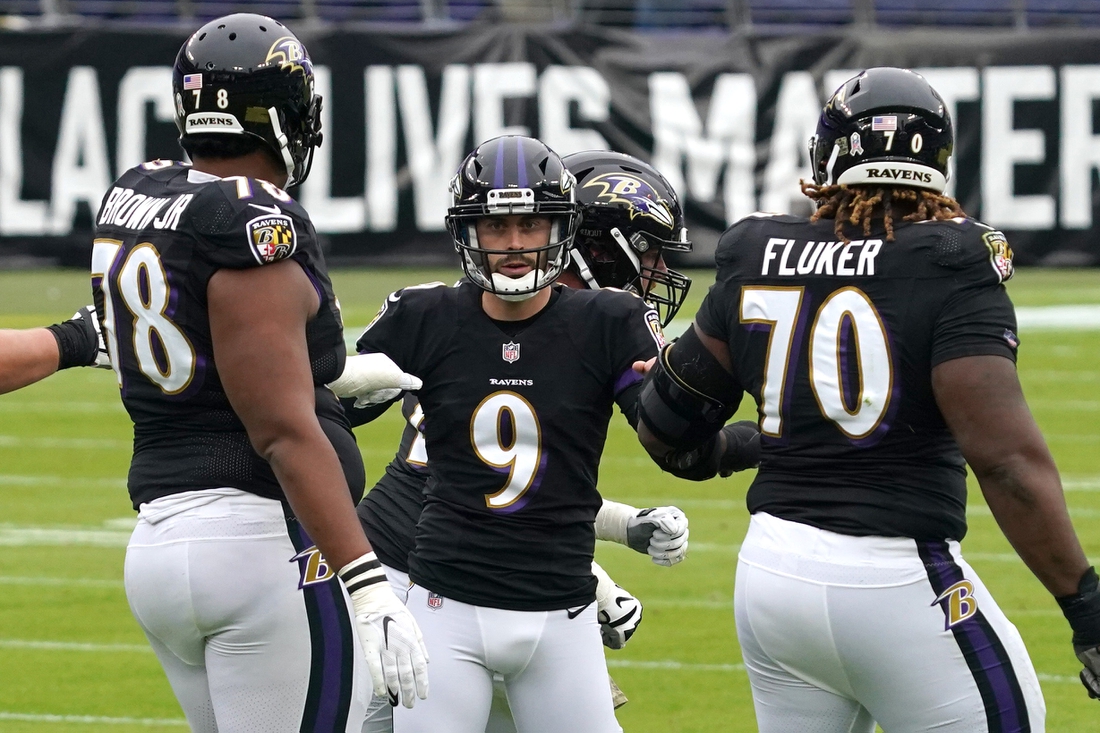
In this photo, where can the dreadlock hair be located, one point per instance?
(861, 205)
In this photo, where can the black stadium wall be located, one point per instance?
(725, 118)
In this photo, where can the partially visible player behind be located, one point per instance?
(879, 344)
(629, 216)
(223, 329)
(30, 355)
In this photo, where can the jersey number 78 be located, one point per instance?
(138, 292)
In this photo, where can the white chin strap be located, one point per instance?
(505, 287)
(284, 145)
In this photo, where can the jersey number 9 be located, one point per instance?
(505, 434)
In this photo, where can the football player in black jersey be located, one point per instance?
(223, 330)
(879, 343)
(520, 378)
(629, 216)
(32, 354)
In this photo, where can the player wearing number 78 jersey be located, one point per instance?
(223, 330)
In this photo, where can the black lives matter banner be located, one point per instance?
(725, 118)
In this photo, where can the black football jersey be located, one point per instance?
(515, 418)
(162, 231)
(836, 342)
(390, 510)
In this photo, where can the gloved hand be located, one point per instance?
(661, 532)
(742, 447)
(373, 379)
(618, 612)
(391, 640)
(79, 342)
(1082, 610)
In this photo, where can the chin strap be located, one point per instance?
(503, 286)
(284, 146)
(582, 269)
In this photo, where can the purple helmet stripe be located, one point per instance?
(989, 663)
(498, 172)
(521, 164)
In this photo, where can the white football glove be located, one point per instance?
(102, 358)
(391, 641)
(373, 379)
(662, 532)
(618, 612)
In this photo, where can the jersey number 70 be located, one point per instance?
(846, 326)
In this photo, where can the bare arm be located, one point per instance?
(26, 357)
(257, 324)
(981, 400)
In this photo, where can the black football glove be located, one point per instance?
(78, 340)
(734, 448)
(1082, 610)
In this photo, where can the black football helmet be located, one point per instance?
(628, 209)
(505, 176)
(885, 126)
(247, 74)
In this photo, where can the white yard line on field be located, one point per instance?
(60, 582)
(68, 481)
(15, 441)
(38, 536)
(73, 646)
(1059, 317)
(89, 719)
(1081, 483)
(89, 407)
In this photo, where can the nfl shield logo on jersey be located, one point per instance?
(435, 600)
(511, 352)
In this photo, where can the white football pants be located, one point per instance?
(380, 714)
(252, 640)
(838, 632)
(553, 667)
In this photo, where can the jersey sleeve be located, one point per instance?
(975, 321)
(713, 315)
(395, 329)
(978, 318)
(639, 338)
(243, 223)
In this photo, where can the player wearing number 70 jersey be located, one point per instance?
(878, 342)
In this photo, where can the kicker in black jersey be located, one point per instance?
(515, 419)
(162, 231)
(836, 341)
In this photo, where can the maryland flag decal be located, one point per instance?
(271, 238)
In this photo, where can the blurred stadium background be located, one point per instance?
(721, 94)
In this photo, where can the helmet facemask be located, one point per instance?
(547, 261)
(513, 176)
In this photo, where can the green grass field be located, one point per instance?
(72, 658)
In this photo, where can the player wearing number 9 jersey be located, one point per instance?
(223, 331)
(520, 378)
(879, 344)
